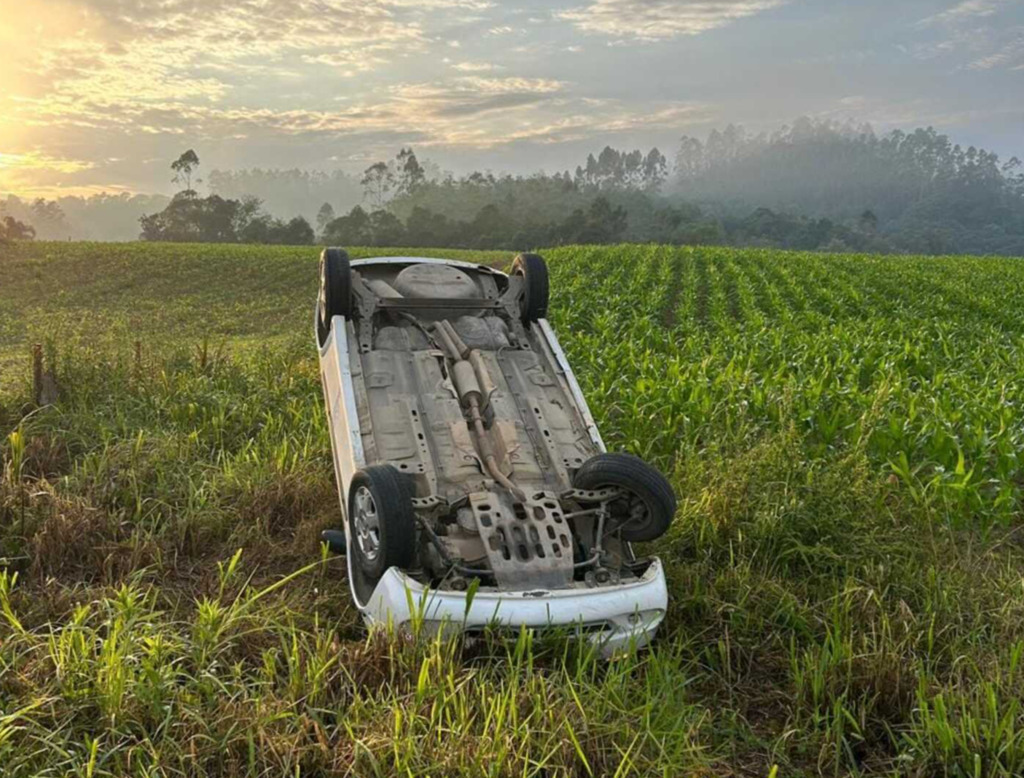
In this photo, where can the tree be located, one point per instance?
(289, 191)
(49, 221)
(868, 222)
(490, 227)
(409, 173)
(324, 217)
(601, 223)
(105, 217)
(386, 228)
(12, 229)
(626, 170)
(377, 181)
(427, 228)
(296, 232)
(259, 229)
(183, 167)
(252, 224)
(214, 219)
(655, 171)
(690, 159)
(606, 224)
(190, 219)
(250, 219)
(352, 229)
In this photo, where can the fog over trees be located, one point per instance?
(98, 217)
(289, 193)
(919, 191)
(189, 218)
(812, 185)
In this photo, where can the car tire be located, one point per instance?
(534, 271)
(652, 504)
(382, 525)
(335, 289)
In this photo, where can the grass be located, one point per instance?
(845, 571)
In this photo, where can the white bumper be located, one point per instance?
(615, 617)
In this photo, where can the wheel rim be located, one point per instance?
(366, 523)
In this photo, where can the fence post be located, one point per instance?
(37, 373)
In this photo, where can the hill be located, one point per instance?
(845, 569)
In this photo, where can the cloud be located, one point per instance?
(510, 84)
(1010, 55)
(434, 5)
(469, 113)
(24, 172)
(662, 19)
(297, 82)
(345, 63)
(967, 10)
(980, 33)
(89, 68)
(84, 70)
(919, 112)
(474, 67)
(140, 51)
(34, 160)
(469, 96)
(136, 78)
(227, 29)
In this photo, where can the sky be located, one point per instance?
(101, 95)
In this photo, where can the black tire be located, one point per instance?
(652, 504)
(335, 289)
(395, 523)
(535, 286)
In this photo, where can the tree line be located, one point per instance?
(926, 193)
(815, 185)
(614, 196)
(96, 217)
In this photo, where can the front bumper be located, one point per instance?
(615, 617)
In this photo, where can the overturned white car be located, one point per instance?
(464, 451)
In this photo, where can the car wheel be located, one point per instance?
(646, 510)
(335, 289)
(534, 271)
(382, 525)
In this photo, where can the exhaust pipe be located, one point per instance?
(335, 540)
(469, 375)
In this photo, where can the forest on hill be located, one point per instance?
(814, 185)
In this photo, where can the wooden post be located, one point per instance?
(44, 383)
(37, 373)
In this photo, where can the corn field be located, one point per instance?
(843, 432)
(916, 362)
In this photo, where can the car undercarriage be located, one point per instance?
(463, 446)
